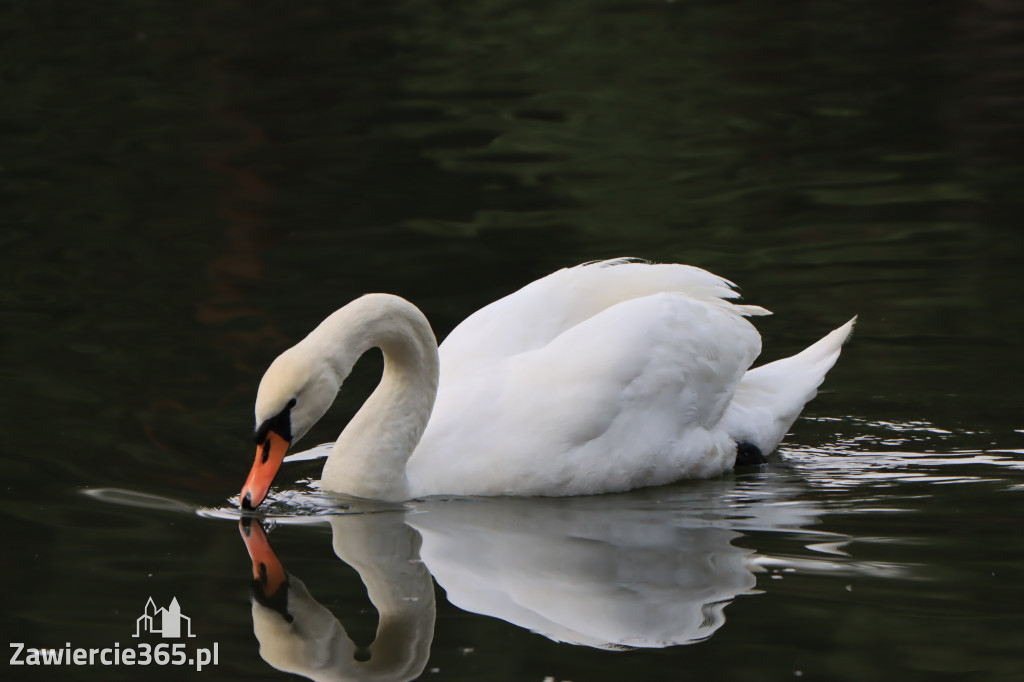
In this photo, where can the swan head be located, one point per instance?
(296, 391)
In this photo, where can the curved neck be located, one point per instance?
(369, 457)
(384, 551)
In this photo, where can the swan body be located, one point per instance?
(599, 378)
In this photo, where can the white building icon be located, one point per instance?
(167, 622)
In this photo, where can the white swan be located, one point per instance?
(598, 378)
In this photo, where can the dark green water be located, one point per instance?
(187, 190)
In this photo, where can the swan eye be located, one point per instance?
(281, 423)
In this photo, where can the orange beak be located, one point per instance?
(267, 570)
(269, 456)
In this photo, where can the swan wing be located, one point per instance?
(630, 396)
(532, 317)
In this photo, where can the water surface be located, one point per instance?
(185, 191)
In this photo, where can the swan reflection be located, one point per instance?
(577, 572)
(649, 569)
(299, 635)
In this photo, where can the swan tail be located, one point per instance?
(768, 399)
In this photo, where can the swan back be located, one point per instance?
(554, 304)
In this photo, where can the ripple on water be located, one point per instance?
(887, 455)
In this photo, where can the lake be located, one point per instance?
(187, 190)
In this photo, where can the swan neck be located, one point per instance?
(370, 455)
